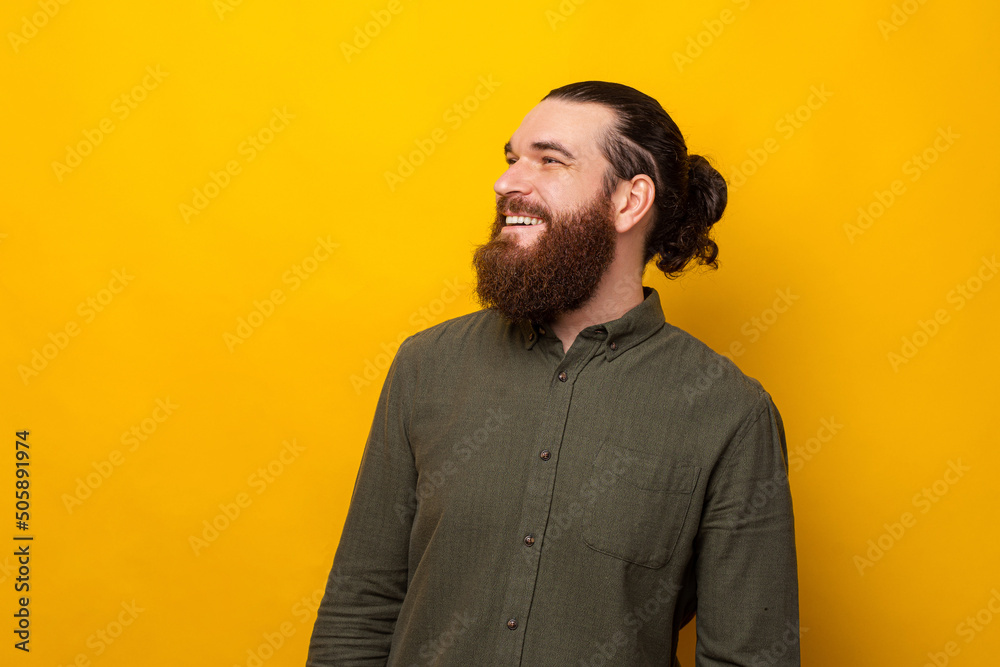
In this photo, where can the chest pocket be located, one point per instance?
(639, 506)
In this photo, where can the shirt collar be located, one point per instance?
(618, 335)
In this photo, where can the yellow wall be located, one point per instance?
(128, 267)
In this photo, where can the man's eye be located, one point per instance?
(512, 160)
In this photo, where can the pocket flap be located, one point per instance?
(644, 470)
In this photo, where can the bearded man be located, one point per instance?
(563, 478)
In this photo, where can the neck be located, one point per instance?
(619, 291)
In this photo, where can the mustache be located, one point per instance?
(518, 206)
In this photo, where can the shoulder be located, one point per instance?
(458, 333)
(720, 398)
(418, 357)
(707, 379)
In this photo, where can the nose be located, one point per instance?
(515, 180)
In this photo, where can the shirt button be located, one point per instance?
(529, 540)
(614, 345)
(563, 376)
(545, 455)
(512, 623)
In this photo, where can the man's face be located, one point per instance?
(555, 176)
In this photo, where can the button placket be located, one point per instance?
(537, 500)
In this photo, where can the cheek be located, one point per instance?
(568, 184)
(565, 193)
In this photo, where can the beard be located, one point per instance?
(558, 272)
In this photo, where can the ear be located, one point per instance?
(633, 200)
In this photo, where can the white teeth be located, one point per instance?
(522, 220)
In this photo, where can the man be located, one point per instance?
(563, 478)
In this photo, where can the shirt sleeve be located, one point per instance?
(368, 580)
(747, 581)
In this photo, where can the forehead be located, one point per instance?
(575, 126)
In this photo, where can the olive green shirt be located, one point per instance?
(518, 505)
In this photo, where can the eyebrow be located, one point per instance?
(544, 146)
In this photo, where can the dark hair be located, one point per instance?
(690, 193)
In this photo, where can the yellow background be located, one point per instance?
(892, 76)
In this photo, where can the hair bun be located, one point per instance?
(707, 191)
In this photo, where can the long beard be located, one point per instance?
(559, 272)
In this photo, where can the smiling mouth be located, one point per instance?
(524, 220)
